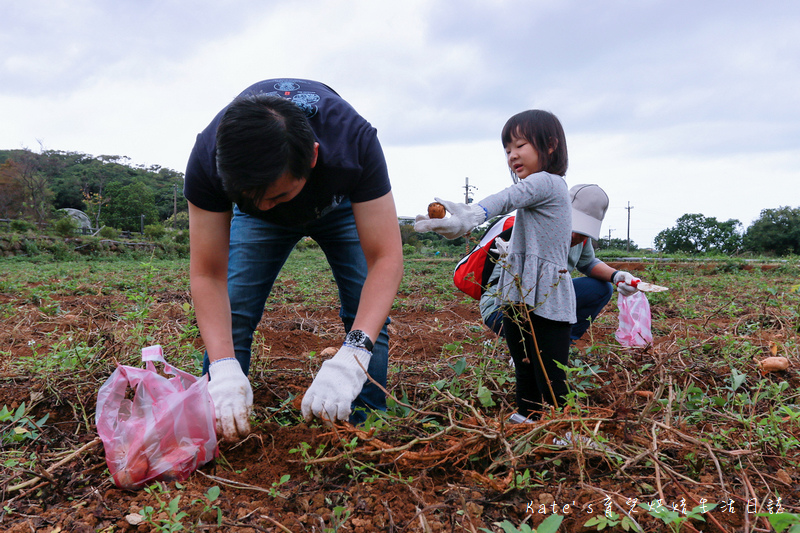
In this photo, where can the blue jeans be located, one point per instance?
(258, 251)
(591, 296)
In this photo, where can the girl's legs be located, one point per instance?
(552, 339)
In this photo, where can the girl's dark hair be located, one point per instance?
(544, 131)
(259, 139)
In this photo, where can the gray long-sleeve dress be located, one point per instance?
(536, 270)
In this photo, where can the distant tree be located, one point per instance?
(53, 179)
(154, 231)
(179, 221)
(127, 204)
(72, 175)
(27, 171)
(167, 187)
(65, 226)
(776, 231)
(408, 235)
(695, 233)
(12, 193)
(93, 205)
(615, 244)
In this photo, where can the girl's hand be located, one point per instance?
(463, 219)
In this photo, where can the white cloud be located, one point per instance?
(677, 107)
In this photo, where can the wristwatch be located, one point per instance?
(358, 339)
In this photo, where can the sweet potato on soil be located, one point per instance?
(773, 364)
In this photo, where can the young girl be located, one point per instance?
(535, 285)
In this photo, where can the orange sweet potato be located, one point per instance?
(773, 364)
(132, 474)
(436, 210)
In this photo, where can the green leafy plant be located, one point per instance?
(273, 490)
(526, 480)
(303, 449)
(190, 329)
(18, 426)
(610, 521)
(64, 354)
(453, 384)
(339, 517)
(140, 294)
(675, 518)
(484, 396)
(207, 502)
(780, 522)
(169, 517)
(548, 525)
(398, 408)
(174, 516)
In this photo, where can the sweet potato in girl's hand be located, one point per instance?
(436, 210)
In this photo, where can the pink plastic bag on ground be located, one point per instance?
(165, 432)
(634, 320)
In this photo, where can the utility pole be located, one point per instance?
(467, 200)
(174, 204)
(609, 236)
(628, 246)
(467, 188)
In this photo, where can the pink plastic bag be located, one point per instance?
(634, 320)
(165, 432)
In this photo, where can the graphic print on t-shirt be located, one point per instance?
(305, 100)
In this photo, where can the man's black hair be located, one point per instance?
(259, 139)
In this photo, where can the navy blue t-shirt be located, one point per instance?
(350, 163)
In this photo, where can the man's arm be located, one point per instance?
(379, 233)
(342, 377)
(209, 234)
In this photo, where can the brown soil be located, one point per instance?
(446, 485)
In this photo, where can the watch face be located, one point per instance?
(356, 337)
(359, 339)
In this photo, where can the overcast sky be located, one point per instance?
(672, 107)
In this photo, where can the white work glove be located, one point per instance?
(500, 247)
(338, 382)
(233, 398)
(463, 219)
(622, 280)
